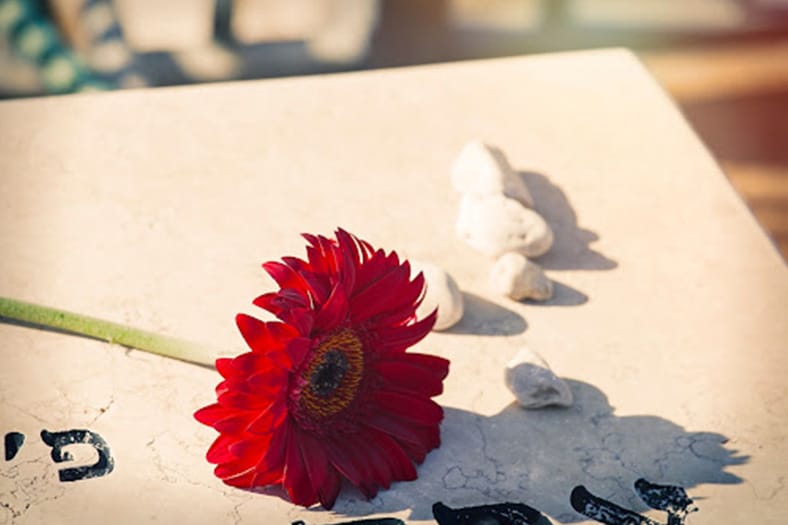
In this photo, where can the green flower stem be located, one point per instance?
(43, 316)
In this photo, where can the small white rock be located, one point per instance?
(532, 382)
(482, 169)
(442, 292)
(495, 224)
(514, 276)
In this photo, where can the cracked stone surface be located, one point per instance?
(535, 456)
(157, 207)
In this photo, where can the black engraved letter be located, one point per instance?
(499, 514)
(59, 440)
(668, 498)
(13, 442)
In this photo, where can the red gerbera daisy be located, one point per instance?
(329, 392)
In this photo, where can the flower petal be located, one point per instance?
(324, 478)
(418, 409)
(232, 425)
(219, 452)
(269, 477)
(328, 492)
(380, 471)
(244, 480)
(400, 464)
(315, 462)
(238, 400)
(350, 259)
(237, 473)
(263, 337)
(211, 414)
(377, 296)
(415, 440)
(350, 466)
(399, 338)
(249, 363)
(374, 268)
(251, 449)
(297, 350)
(269, 383)
(333, 311)
(437, 366)
(284, 275)
(270, 417)
(272, 461)
(401, 309)
(296, 477)
(224, 367)
(400, 375)
(297, 314)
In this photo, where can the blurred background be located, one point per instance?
(725, 62)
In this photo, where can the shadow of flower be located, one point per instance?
(538, 457)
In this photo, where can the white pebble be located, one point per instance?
(514, 276)
(495, 224)
(481, 169)
(532, 382)
(442, 292)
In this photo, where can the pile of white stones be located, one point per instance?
(497, 218)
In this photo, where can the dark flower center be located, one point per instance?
(332, 375)
(327, 375)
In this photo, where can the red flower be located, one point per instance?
(329, 393)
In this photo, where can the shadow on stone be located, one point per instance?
(570, 249)
(563, 295)
(537, 457)
(483, 317)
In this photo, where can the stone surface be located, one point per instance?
(516, 277)
(155, 207)
(482, 169)
(533, 383)
(495, 224)
(442, 293)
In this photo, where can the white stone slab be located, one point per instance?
(156, 207)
